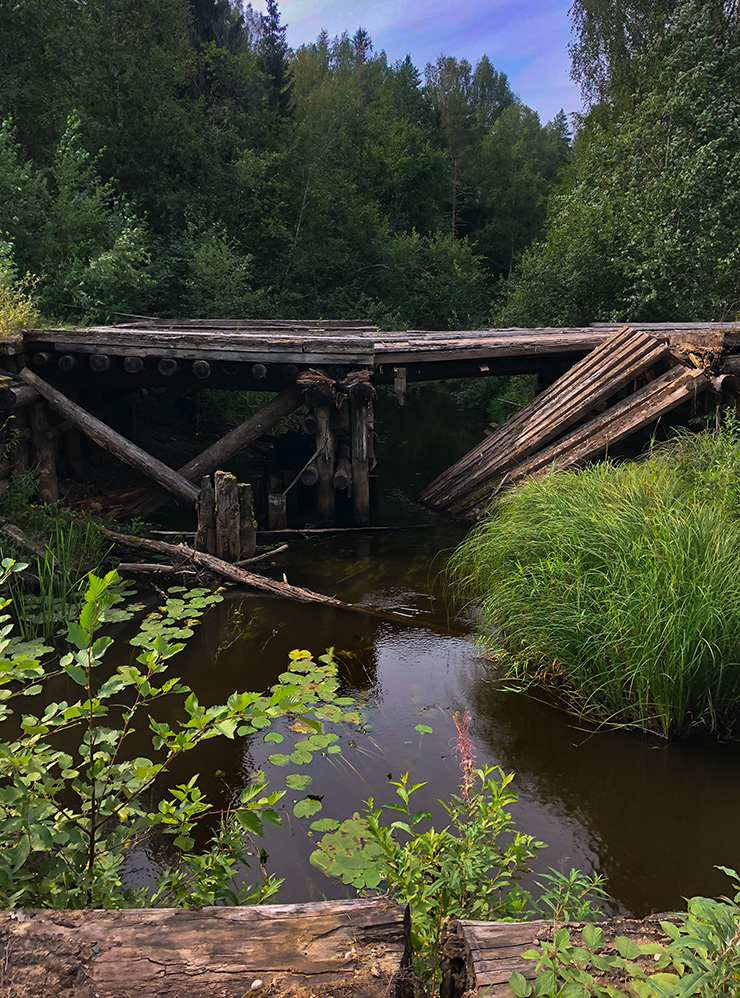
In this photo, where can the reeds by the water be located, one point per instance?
(623, 583)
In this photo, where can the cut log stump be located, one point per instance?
(354, 948)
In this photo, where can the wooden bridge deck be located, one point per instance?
(279, 350)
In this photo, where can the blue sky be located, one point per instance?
(527, 39)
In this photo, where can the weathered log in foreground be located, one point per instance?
(356, 949)
(478, 958)
(112, 441)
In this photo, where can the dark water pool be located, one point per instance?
(652, 819)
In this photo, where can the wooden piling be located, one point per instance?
(360, 403)
(227, 516)
(247, 526)
(44, 452)
(326, 449)
(205, 535)
(277, 511)
(132, 365)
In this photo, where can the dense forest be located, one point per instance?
(178, 158)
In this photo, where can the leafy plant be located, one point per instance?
(17, 310)
(74, 803)
(469, 869)
(702, 958)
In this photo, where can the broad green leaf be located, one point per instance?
(277, 759)
(520, 985)
(250, 821)
(424, 729)
(306, 807)
(298, 781)
(627, 948)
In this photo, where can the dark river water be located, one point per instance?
(652, 819)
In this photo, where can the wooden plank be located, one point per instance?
(225, 952)
(44, 446)
(594, 437)
(107, 438)
(205, 535)
(588, 383)
(326, 446)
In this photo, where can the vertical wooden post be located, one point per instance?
(247, 529)
(44, 450)
(19, 460)
(227, 516)
(326, 444)
(361, 400)
(277, 511)
(205, 535)
(73, 447)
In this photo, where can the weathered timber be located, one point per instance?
(107, 438)
(600, 375)
(360, 458)
(358, 948)
(637, 410)
(45, 452)
(183, 553)
(41, 357)
(227, 516)
(205, 535)
(277, 511)
(132, 365)
(310, 475)
(259, 371)
(167, 366)
(263, 556)
(201, 369)
(326, 450)
(399, 384)
(227, 447)
(478, 958)
(24, 540)
(19, 452)
(16, 396)
(100, 362)
(68, 362)
(594, 437)
(247, 527)
(343, 472)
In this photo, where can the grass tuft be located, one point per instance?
(621, 584)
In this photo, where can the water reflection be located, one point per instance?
(652, 819)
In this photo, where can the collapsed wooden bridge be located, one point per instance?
(604, 383)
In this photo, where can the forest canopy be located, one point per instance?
(176, 157)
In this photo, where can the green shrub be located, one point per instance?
(621, 584)
(74, 801)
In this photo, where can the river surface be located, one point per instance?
(652, 819)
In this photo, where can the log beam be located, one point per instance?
(111, 441)
(228, 446)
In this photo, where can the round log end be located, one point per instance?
(290, 372)
(68, 362)
(201, 369)
(132, 365)
(100, 362)
(259, 371)
(167, 366)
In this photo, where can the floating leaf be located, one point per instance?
(423, 729)
(297, 781)
(306, 807)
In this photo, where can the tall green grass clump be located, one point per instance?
(621, 585)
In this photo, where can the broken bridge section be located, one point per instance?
(579, 416)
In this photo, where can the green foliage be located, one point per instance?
(17, 310)
(471, 868)
(644, 224)
(702, 958)
(620, 585)
(74, 803)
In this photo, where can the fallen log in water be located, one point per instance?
(219, 567)
(272, 587)
(357, 948)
